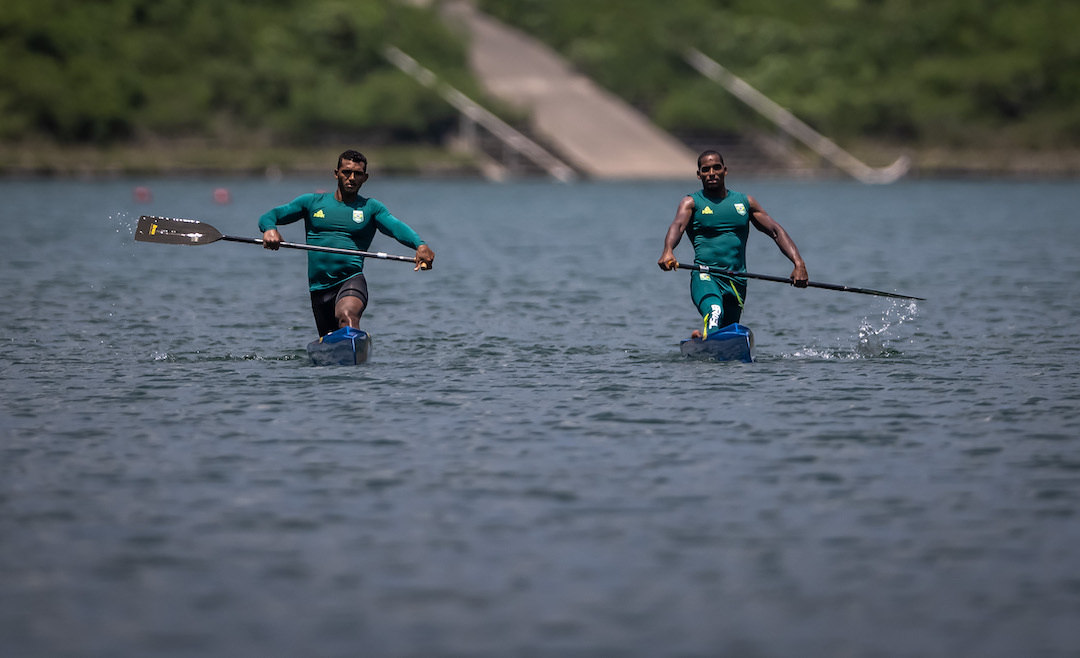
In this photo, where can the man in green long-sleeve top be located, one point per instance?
(344, 220)
(717, 221)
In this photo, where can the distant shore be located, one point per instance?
(198, 159)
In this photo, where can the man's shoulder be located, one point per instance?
(372, 203)
(308, 199)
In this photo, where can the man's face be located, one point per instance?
(711, 171)
(350, 176)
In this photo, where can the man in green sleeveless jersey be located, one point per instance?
(344, 220)
(718, 220)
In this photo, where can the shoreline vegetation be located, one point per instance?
(193, 158)
(164, 158)
(264, 89)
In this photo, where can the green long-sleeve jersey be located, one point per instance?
(333, 223)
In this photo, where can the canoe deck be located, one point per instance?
(734, 342)
(344, 347)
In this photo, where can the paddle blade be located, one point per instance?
(169, 230)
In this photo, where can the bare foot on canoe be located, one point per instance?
(695, 334)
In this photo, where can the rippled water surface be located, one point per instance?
(526, 466)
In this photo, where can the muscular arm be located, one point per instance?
(667, 261)
(403, 233)
(397, 229)
(770, 227)
(286, 214)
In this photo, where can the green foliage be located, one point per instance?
(285, 70)
(958, 72)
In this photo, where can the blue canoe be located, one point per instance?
(344, 347)
(731, 343)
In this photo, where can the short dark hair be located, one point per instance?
(352, 156)
(709, 152)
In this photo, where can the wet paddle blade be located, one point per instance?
(169, 230)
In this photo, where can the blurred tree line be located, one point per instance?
(236, 71)
(935, 72)
(945, 72)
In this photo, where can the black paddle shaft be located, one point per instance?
(172, 230)
(788, 280)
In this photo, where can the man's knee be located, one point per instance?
(348, 311)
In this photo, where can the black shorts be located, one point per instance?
(323, 302)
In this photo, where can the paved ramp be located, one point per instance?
(594, 131)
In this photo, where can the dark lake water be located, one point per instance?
(526, 466)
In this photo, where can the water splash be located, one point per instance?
(878, 338)
(823, 353)
(123, 225)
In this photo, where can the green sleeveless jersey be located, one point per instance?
(719, 229)
(333, 223)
